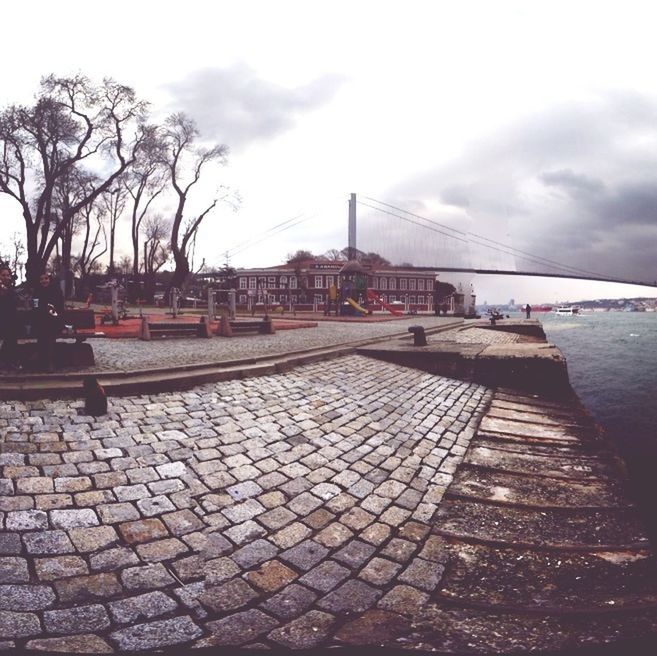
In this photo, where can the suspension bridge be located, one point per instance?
(407, 238)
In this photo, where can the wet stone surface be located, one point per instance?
(270, 510)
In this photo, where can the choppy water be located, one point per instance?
(612, 365)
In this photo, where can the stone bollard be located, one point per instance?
(419, 338)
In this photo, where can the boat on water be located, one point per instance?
(567, 310)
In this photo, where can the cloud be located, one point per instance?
(575, 184)
(234, 106)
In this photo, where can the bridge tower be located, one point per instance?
(351, 244)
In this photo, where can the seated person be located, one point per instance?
(48, 303)
(8, 318)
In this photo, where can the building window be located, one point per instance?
(393, 298)
(318, 282)
(420, 300)
(242, 299)
(271, 281)
(253, 283)
(420, 285)
(375, 283)
(411, 284)
(242, 283)
(329, 281)
(293, 284)
(392, 283)
(319, 298)
(295, 298)
(283, 281)
(402, 283)
(412, 301)
(384, 283)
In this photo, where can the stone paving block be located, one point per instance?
(113, 559)
(161, 550)
(142, 530)
(155, 506)
(146, 577)
(379, 571)
(305, 555)
(295, 487)
(272, 499)
(166, 486)
(243, 511)
(109, 479)
(405, 600)
(113, 513)
(13, 570)
(351, 597)
(326, 576)
(290, 602)
(399, 550)
(277, 518)
(25, 520)
(93, 538)
(34, 485)
(141, 607)
(26, 597)
(19, 625)
(254, 553)
(69, 519)
(182, 522)
(394, 516)
(93, 498)
(189, 568)
(355, 553)
(219, 570)
(241, 628)
(305, 632)
(376, 533)
(9, 504)
(375, 504)
(357, 519)
(72, 484)
(334, 535)
(50, 569)
(153, 635)
(172, 470)
(77, 619)
(215, 545)
(271, 576)
(131, 492)
(229, 596)
(88, 588)
(47, 542)
(423, 574)
(10, 543)
(244, 532)
(244, 490)
(76, 644)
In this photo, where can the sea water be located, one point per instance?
(612, 366)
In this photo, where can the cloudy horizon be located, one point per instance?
(531, 124)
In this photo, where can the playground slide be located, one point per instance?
(373, 296)
(356, 306)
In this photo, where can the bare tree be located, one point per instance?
(92, 246)
(335, 255)
(72, 123)
(156, 250)
(113, 202)
(144, 182)
(182, 153)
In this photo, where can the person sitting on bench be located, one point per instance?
(48, 304)
(8, 318)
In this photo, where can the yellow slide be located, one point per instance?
(356, 306)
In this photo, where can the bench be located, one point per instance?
(261, 326)
(163, 329)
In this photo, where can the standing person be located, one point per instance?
(8, 318)
(48, 305)
(528, 311)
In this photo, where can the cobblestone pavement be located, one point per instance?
(475, 335)
(131, 354)
(289, 510)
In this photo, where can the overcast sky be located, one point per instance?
(532, 123)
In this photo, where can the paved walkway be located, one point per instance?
(265, 510)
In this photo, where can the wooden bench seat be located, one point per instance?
(165, 329)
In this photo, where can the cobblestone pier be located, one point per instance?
(343, 503)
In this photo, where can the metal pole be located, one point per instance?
(115, 304)
(210, 304)
(352, 227)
